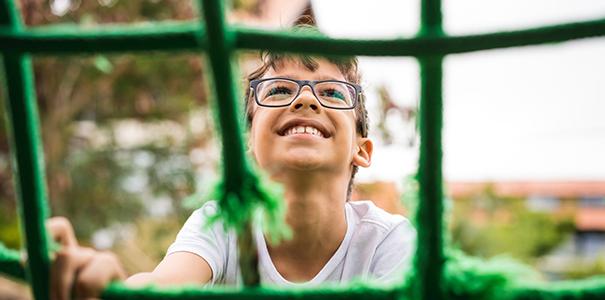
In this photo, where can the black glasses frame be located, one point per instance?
(301, 83)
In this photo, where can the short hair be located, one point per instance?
(348, 66)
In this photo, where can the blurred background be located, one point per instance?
(129, 139)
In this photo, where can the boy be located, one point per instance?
(308, 131)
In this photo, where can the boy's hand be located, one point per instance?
(76, 271)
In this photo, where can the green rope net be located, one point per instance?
(437, 273)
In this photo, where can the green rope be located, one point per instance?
(429, 215)
(429, 258)
(10, 263)
(353, 292)
(464, 278)
(69, 38)
(184, 36)
(242, 192)
(26, 141)
(264, 200)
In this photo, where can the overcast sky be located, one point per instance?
(532, 113)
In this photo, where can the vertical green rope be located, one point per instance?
(431, 18)
(237, 174)
(28, 160)
(429, 259)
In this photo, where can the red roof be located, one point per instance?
(590, 219)
(567, 189)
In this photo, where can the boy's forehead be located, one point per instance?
(295, 68)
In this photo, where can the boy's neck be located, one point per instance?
(316, 215)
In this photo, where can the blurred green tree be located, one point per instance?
(486, 225)
(86, 178)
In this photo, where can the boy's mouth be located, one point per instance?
(303, 130)
(302, 126)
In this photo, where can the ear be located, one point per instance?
(363, 156)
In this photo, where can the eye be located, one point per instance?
(333, 93)
(277, 90)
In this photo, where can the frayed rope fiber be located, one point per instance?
(258, 197)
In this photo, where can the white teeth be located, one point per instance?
(304, 130)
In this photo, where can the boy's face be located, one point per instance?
(278, 149)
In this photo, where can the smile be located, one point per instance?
(303, 130)
(304, 126)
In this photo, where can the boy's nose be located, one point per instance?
(306, 99)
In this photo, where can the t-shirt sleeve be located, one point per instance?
(208, 242)
(394, 254)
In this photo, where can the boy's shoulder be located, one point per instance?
(366, 212)
(381, 243)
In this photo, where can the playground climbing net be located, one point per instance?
(437, 273)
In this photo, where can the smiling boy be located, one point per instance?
(308, 131)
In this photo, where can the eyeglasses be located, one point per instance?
(280, 92)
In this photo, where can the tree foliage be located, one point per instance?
(82, 102)
(487, 225)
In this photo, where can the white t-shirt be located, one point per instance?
(377, 245)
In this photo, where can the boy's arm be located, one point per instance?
(176, 268)
(86, 272)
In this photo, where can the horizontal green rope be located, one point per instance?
(589, 289)
(501, 278)
(66, 39)
(593, 289)
(118, 291)
(418, 46)
(10, 263)
(466, 278)
(185, 36)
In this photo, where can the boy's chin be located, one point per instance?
(303, 163)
